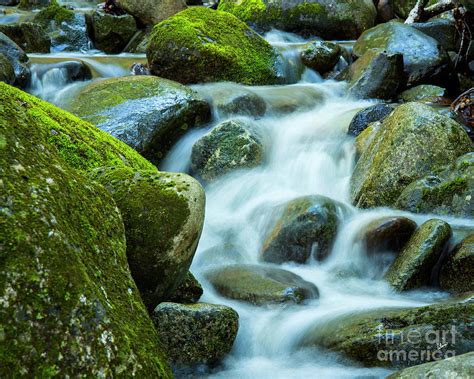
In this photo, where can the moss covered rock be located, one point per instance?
(112, 33)
(412, 142)
(330, 19)
(307, 226)
(203, 45)
(449, 191)
(151, 12)
(457, 272)
(261, 285)
(163, 215)
(372, 337)
(188, 292)
(424, 93)
(68, 304)
(17, 59)
(413, 266)
(146, 112)
(238, 102)
(230, 146)
(196, 333)
(7, 73)
(29, 36)
(321, 56)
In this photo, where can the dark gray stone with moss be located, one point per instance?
(29, 36)
(18, 61)
(194, 334)
(413, 141)
(202, 45)
(261, 285)
(146, 112)
(365, 117)
(424, 93)
(321, 56)
(7, 73)
(457, 272)
(188, 292)
(111, 33)
(69, 306)
(413, 267)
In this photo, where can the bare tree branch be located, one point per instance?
(416, 13)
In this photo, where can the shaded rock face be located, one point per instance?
(424, 60)
(321, 56)
(73, 70)
(306, 228)
(425, 141)
(28, 36)
(194, 334)
(363, 118)
(370, 336)
(147, 113)
(447, 192)
(375, 74)
(18, 61)
(413, 266)
(202, 45)
(9, 2)
(244, 103)
(188, 292)
(63, 266)
(151, 12)
(112, 33)
(163, 215)
(453, 367)
(259, 285)
(230, 146)
(329, 19)
(442, 30)
(7, 74)
(424, 93)
(457, 272)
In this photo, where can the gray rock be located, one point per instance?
(151, 12)
(321, 56)
(457, 272)
(188, 292)
(424, 93)
(241, 103)
(19, 61)
(442, 30)
(7, 74)
(29, 36)
(111, 33)
(363, 118)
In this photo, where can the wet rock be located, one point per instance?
(413, 266)
(424, 60)
(188, 292)
(163, 214)
(230, 146)
(424, 93)
(147, 113)
(28, 36)
(7, 74)
(448, 192)
(363, 118)
(385, 10)
(9, 2)
(321, 56)
(260, 285)
(307, 227)
(195, 334)
(112, 33)
(151, 12)
(385, 337)
(457, 272)
(69, 304)
(73, 70)
(387, 234)
(364, 139)
(18, 61)
(203, 45)
(239, 103)
(375, 74)
(442, 30)
(424, 141)
(329, 19)
(461, 366)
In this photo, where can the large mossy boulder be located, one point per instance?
(457, 272)
(306, 227)
(329, 19)
(261, 285)
(112, 33)
(413, 141)
(449, 191)
(385, 337)
(146, 112)
(195, 334)
(18, 61)
(414, 265)
(232, 145)
(203, 45)
(163, 215)
(424, 60)
(28, 36)
(151, 12)
(69, 306)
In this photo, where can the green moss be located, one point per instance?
(54, 12)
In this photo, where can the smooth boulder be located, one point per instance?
(151, 12)
(321, 56)
(28, 36)
(261, 285)
(202, 45)
(188, 292)
(413, 267)
(18, 60)
(112, 33)
(365, 117)
(424, 93)
(413, 141)
(147, 113)
(457, 272)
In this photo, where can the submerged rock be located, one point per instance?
(412, 142)
(194, 334)
(188, 292)
(242, 102)
(163, 215)
(424, 93)
(151, 12)
(261, 285)
(18, 61)
(457, 272)
(321, 56)
(203, 45)
(363, 118)
(147, 113)
(111, 33)
(29, 36)
(413, 266)
(69, 304)
(232, 145)
(329, 19)
(307, 228)
(73, 70)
